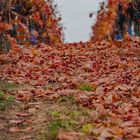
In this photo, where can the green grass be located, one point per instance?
(7, 86)
(86, 128)
(87, 87)
(56, 125)
(5, 101)
(66, 115)
(55, 113)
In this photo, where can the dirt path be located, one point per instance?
(42, 120)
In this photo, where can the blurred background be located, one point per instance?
(75, 18)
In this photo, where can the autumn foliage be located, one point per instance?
(105, 25)
(28, 23)
(103, 77)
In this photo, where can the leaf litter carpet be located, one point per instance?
(112, 72)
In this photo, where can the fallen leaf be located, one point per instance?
(23, 114)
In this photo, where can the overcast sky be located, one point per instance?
(75, 18)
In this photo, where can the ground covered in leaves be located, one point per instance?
(83, 91)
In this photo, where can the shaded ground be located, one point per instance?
(52, 85)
